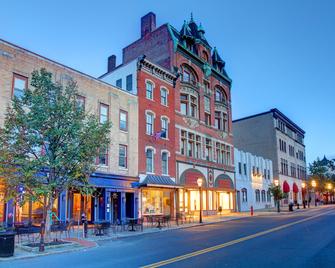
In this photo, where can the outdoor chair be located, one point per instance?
(166, 221)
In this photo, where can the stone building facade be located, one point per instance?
(117, 167)
(254, 175)
(276, 137)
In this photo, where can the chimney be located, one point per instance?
(111, 63)
(148, 23)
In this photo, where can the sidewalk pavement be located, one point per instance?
(80, 243)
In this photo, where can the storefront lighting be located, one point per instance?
(276, 182)
(313, 183)
(329, 186)
(303, 185)
(199, 182)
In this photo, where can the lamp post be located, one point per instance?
(329, 187)
(199, 182)
(276, 182)
(314, 185)
(303, 185)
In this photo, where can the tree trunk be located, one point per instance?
(46, 223)
(42, 229)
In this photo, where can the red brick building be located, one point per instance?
(203, 138)
(155, 87)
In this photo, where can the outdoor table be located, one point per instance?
(132, 222)
(99, 225)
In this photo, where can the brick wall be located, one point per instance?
(17, 60)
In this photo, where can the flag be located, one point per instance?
(159, 134)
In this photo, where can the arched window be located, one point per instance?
(244, 195)
(257, 194)
(188, 75)
(269, 196)
(263, 196)
(149, 160)
(149, 90)
(165, 166)
(220, 95)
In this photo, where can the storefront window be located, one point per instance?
(181, 200)
(152, 201)
(195, 203)
(224, 200)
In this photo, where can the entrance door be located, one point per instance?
(238, 197)
(115, 207)
(129, 205)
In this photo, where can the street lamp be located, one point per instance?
(199, 182)
(329, 187)
(276, 182)
(314, 185)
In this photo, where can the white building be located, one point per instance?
(254, 175)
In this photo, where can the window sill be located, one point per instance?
(123, 168)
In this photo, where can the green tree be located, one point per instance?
(277, 194)
(323, 172)
(48, 144)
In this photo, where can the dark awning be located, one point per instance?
(159, 181)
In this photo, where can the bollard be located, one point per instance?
(252, 211)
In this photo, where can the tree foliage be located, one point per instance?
(48, 143)
(277, 192)
(323, 172)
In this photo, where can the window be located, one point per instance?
(194, 107)
(149, 160)
(165, 127)
(244, 195)
(188, 75)
(80, 102)
(165, 163)
(129, 82)
(218, 120)
(220, 96)
(184, 104)
(149, 91)
(263, 196)
(164, 95)
(189, 105)
(123, 120)
(245, 168)
(103, 157)
(104, 111)
(257, 194)
(224, 122)
(20, 83)
(208, 119)
(239, 167)
(149, 123)
(208, 151)
(119, 83)
(198, 147)
(183, 142)
(122, 156)
(284, 166)
(190, 145)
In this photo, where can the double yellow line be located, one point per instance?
(230, 243)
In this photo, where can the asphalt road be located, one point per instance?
(304, 239)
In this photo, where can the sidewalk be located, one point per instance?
(79, 243)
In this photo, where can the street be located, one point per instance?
(303, 239)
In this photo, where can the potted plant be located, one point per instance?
(7, 239)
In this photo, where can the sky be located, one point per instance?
(279, 54)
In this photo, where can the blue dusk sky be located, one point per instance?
(278, 53)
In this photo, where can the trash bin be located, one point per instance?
(290, 207)
(7, 244)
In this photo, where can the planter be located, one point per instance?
(7, 240)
